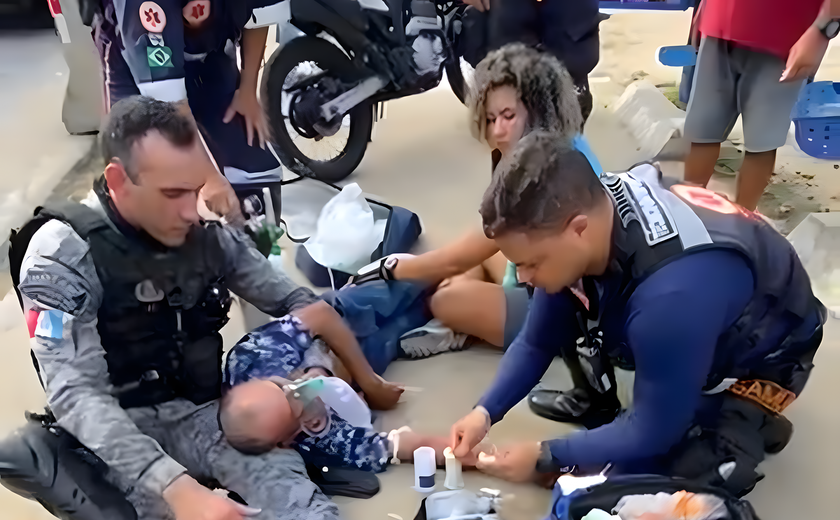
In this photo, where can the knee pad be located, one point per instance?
(46, 464)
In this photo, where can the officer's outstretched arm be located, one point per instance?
(62, 294)
(550, 323)
(252, 277)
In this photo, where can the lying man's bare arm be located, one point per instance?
(251, 276)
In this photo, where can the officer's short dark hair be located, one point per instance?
(543, 184)
(134, 117)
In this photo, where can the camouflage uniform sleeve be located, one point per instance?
(153, 46)
(62, 294)
(250, 275)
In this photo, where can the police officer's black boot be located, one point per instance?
(44, 463)
(583, 404)
(574, 406)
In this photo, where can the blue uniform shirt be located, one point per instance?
(668, 327)
(281, 347)
(159, 38)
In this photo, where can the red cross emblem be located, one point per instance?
(705, 198)
(152, 17)
(196, 11)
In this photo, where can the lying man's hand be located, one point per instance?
(382, 395)
(515, 463)
(189, 500)
(323, 321)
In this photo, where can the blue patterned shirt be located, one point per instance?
(280, 348)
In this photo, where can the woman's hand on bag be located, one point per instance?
(386, 268)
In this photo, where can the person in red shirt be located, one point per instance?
(753, 59)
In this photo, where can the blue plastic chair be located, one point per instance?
(666, 5)
(816, 117)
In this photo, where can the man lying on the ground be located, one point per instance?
(261, 408)
(125, 297)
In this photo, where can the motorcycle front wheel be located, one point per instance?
(328, 158)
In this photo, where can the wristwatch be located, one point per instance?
(829, 28)
(548, 470)
(382, 269)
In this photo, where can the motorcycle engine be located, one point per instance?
(429, 53)
(305, 108)
(427, 40)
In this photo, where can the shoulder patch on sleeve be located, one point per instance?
(55, 236)
(50, 324)
(55, 273)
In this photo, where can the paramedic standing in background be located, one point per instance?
(185, 51)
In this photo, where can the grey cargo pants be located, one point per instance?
(275, 482)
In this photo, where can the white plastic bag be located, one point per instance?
(347, 233)
(339, 396)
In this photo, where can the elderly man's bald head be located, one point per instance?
(256, 416)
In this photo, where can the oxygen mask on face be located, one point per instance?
(307, 408)
(313, 400)
(337, 395)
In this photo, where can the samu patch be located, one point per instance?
(196, 12)
(159, 57)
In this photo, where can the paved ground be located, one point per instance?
(423, 158)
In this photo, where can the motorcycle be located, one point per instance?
(326, 87)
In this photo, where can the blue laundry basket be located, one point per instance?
(816, 117)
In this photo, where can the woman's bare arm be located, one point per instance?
(452, 259)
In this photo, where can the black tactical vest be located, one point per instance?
(659, 220)
(162, 309)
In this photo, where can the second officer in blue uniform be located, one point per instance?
(703, 299)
